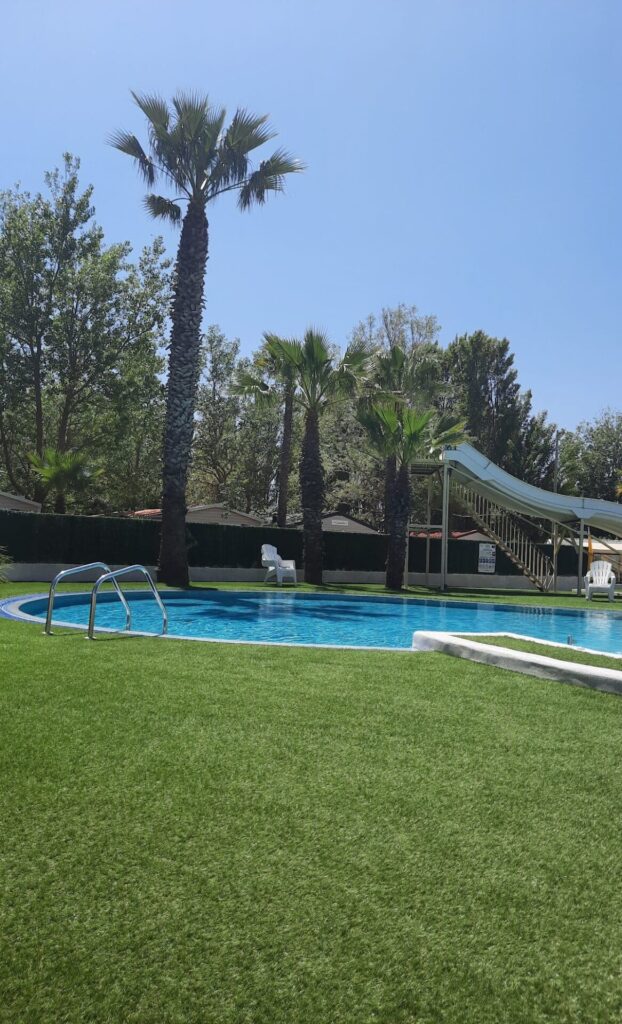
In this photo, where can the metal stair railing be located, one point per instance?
(503, 528)
(73, 572)
(112, 577)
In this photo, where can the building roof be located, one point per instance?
(454, 535)
(156, 513)
(17, 502)
(337, 515)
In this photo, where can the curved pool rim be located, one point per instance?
(13, 608)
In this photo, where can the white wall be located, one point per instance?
(42, 572)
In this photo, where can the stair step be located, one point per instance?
(489, 516)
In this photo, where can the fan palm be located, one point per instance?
(64, 472)
(399, 375)
(405, 434)
(319, 379)
(253, 382)
(199, 157)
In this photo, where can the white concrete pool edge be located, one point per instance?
(608, 680)
(442, 642)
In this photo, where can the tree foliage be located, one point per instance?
(80, 323)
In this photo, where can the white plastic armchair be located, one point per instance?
(600, 580)
(276, 566)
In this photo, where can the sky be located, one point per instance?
(464, 156)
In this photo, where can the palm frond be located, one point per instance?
(446, 431)
(154, 108)
(163, 208)
(191, 110)
(269, 177)
(251, 385)
(128, 143)
(288, 352)
(247, 131)
(381, 425)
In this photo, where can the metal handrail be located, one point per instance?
(111, 577)
(72, 572)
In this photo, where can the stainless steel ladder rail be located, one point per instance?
(73, 572)
(112, 577)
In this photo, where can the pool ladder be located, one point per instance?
(108, 576)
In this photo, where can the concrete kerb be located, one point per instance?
(606, 679)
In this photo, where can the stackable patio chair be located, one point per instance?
(277, 566)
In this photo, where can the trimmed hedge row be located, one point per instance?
(29, 537)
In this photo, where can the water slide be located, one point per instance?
(476, 471)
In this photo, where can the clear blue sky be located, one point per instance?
(463, 155)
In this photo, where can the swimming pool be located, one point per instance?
(335, 620)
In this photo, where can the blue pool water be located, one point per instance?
(335, 620)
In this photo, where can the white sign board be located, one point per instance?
(487, 558)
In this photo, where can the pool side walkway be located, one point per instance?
(606, 679)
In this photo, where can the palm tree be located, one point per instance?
(319, 379)
(251, 382)
(199, 158)
(64, 472)
(400, 375)
(405, 434)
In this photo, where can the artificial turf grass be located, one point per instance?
(549, 651)
(526, 597)
(197, 832)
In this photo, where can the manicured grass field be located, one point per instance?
(205, 834)
(561, 653)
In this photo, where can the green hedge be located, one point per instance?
(78, 539)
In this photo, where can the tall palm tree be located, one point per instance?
(253, 382)
(64, 472)
(319, 379)
(200, 158)
(405, 434)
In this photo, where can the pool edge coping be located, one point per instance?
(607, 680)
(423, 640)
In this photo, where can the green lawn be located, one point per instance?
(489, 596)
(255, 835)
(561, 653)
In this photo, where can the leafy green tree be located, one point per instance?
(353, 475)
(255, 479)
(321, 380)
(401, 326)
(128, 435)
(271, 380)
(486, 392)
(531, 456)
(216, 442)
(64, 472)
(591, 457)
(74, 313)
(200, 158)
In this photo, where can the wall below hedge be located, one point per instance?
(76, 540)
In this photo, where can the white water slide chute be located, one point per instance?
(488, 491)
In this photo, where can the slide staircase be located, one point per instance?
(503, 528)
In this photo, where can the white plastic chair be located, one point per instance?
(600, 580)
(276, 566)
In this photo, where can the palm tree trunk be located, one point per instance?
(183, 376)
(400, 511)
(312, 494)
(285, 458)
(60, 505)
(389, 487)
